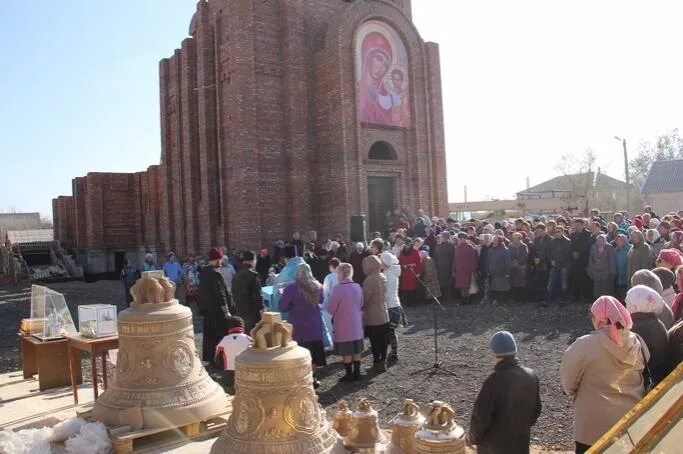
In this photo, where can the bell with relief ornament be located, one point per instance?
(159, 380)
(366, 436)
(343, 419)
(404, 426)
(275, 410)
(440, 434)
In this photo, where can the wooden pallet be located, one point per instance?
(126, 440)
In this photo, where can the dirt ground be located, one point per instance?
(542, 335)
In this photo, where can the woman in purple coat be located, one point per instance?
(346, 309)
(464, 266)
(303, 300)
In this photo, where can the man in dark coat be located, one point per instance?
(246, 292)
(560, 257)
(443, 258)
(538, 264)
(508, 404)
(263, 264)
(581, 284)
(215, 303)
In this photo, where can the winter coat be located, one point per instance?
(214, 297)
(602, 266)
(603, 379)
(653, 332)
(518, 265)
(346, 303)
(542, 250)
(499, 265)
(393, 274)
(374, 293)
(656, 248)
(676, 343)
(408, 282)
(464, 264)
(304, 316)
(246, 292)
(129, 275)
(581, 245)
(639, 258)
(284, 278)
(174, 271)
(430, 278)
(443, 259)
(560, 251)
(506, 408)
(621, 255)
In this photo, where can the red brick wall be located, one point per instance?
(260, 135)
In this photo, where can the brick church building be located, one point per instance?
(276, 116)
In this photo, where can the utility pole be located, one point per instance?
(628, 178)
(465, 193)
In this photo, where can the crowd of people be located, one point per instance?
(337, 294)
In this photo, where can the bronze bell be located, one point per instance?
(343, 419)
(275, 410)
(159, 380)
(366, 436)
(404, 426)
(440, 434)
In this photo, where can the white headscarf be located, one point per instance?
(643, 299)
(654, 223)
(654, 233)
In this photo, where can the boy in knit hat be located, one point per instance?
(508, 403)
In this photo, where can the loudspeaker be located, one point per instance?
(359, 229)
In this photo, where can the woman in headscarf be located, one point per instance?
(602, 372)
(397, 318)
(667, 278)
(650, 279)
(669, 259)
(499, 265)
(303, 300)
(643, 303)
(602, 266)
(464, 266)
(677, 306)
(375, 315)
(612, 232)
(655, 241)
(676, 241)
(518, 266)
(411, 269)
(443, 258)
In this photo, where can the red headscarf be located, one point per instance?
(671, 256)
(607, 310)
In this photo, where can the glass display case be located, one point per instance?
(50, 314)
(97, 320)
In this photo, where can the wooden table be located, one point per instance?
(93, 346)
(48, 359)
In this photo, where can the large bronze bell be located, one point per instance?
(275, 410)
(366, 435)
(159, 380)
(404, 426)
(440, 434)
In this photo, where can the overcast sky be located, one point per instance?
(524, 82)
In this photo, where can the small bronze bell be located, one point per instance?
(404, 426)
(440, 434)
(366, 436)
(343, 419)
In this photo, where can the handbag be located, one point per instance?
(474, 287)
(647, 376)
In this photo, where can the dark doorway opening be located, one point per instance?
(119, 261)
(37, 257)
(380, 201)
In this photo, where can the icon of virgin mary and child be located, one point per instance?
(382, 88)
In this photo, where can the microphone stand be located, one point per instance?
(435, 368)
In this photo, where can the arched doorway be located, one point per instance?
(380, 188)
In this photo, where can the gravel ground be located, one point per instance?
(542, 335)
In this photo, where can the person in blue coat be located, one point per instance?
(286, 277)
(621, 255)
(173, 270)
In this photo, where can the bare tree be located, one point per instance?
(667, 146)
(578, 173)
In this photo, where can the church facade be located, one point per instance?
(276, 116)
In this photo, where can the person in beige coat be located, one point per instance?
(375, 314)
(602, 372)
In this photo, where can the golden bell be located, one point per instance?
(440, 434)
(343, 419)
(275, 410)
(404, 426)
(159, 381)
(366, 436)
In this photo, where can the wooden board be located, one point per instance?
(126, 440)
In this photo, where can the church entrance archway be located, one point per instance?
(380, 200)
